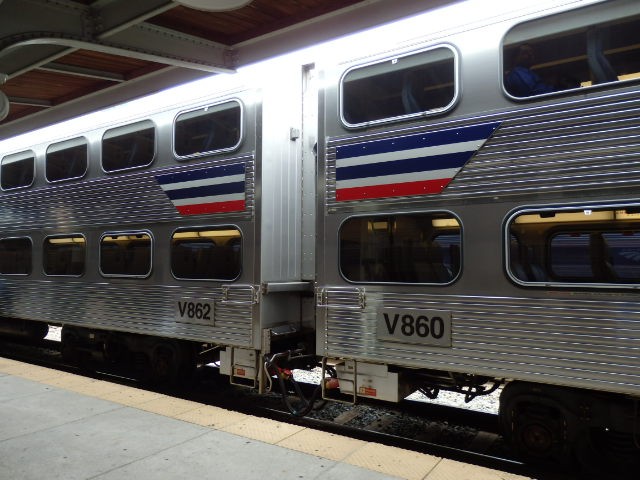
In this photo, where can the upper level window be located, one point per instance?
(15, 256)
(130, 146)
(583, 246)
(572, 50)
(125, 254)
(210, 129)
(66, 160)
(408, 248)
(17, 170)
(64, 255)
(409, 85)
(206, 253)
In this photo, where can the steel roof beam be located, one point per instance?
(57, 27)
(82, 72)
(139, 44)
(32, 102)
(113, 16)
(113, 95)
(178, 49)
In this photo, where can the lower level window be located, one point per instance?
(585, 246)
(407, 248)
(64, 255)
(211, 253)
(15, 256)
(125, 254)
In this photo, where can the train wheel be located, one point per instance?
(113, 349)
(75, 348)
(172, 363)
(538, 431)
(69, 346)
(142, 366)
(165, 363)
(37, 330)
(601, 451)
(538, 427)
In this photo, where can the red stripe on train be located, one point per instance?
(425, 187)
(215, 207)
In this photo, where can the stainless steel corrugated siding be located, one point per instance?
(574, 146)
(140, 306)
(581, 343)
(578, 146)
(571, 150)
(115, 199)
(133, 307)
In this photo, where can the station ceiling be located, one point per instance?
(63, 58)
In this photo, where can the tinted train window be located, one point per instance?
(131, 146)
(414, 84)
(17, 170)
(598, 246)
(126, 254)
(415, 248)
(208, 129)
(206, 254)
(66, 160)
(64, 255)
(573, 50)
(15, 256)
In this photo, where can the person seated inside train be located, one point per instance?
(521, 81)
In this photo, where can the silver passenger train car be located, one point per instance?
(456, 213)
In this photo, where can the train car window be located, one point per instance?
(406, 86)
(577, 246)
(64, 255)
(66, 160)
(17, 171)
(214, 128)
(574, 50)
(125, 254)
(207, 253)
(408, 248)
(15, 256)
(130, 146)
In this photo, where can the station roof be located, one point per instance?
(63, 58)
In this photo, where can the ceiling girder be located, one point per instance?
(78, 38)
(32, 102)
(16, 61)
(164, 78)
(99, 29)
(82, 72)
(112, 16)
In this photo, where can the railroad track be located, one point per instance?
(459, 434)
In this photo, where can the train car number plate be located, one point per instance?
(408, 325)
(189, 310)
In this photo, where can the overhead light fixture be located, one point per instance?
(214, 5)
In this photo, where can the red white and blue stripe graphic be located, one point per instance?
(420, 164)
(206, 190)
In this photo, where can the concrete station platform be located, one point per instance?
(57, 425)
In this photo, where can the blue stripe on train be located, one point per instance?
(206, 191)
(411, 165)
